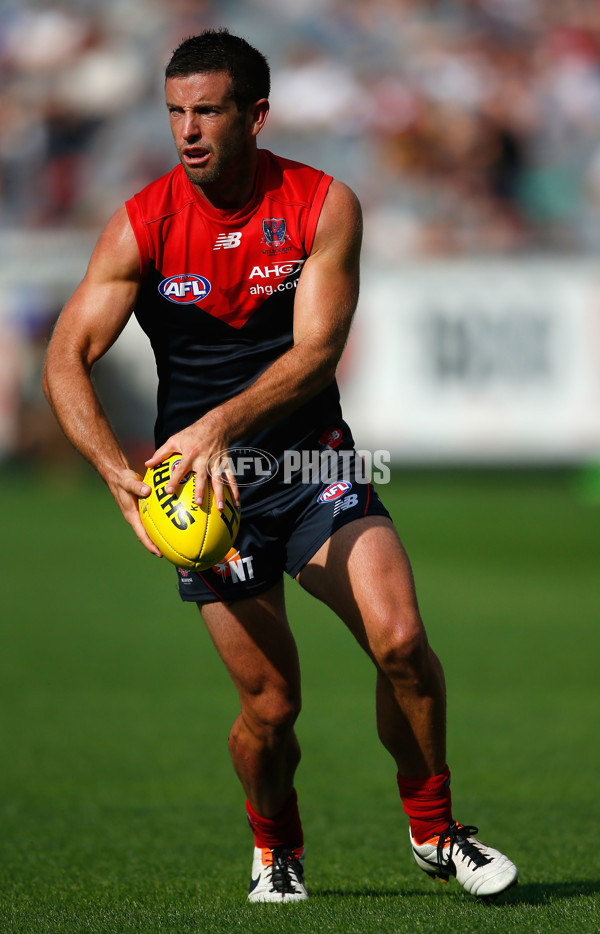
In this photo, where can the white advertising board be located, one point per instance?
(453, 361)
(493, 362)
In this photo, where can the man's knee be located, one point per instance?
(399, 645)
(271, 713)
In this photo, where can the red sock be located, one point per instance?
(283, 830)
(428, 803)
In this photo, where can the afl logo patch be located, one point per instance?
(185, 288)
(334, 491)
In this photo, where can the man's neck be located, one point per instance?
(234, 191)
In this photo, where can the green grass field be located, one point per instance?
(119, 808)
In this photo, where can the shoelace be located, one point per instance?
(284, 864)
(457, 835)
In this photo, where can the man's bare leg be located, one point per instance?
(364, 575)
(255, 642)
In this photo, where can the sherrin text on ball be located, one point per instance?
(190, 536)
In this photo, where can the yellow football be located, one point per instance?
(190, 536)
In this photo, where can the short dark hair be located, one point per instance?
(219, 50)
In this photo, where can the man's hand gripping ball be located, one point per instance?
(190, 536)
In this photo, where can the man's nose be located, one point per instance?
(191, 126)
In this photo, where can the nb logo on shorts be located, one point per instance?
(348, 502)
(228, 241)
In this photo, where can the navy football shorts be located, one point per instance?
(295, 522)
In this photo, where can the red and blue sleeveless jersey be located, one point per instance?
(217, 293)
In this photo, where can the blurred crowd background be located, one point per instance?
(467, 127)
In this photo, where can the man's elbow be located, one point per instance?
(320, 359)
(46, 381)
(51, 372)
(327, 367)
(328, 370)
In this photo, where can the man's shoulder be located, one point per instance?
(166, 195)
(288, 180)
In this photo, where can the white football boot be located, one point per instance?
(277, 875)
(481, 870)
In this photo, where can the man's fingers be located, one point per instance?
(217, 485)
(192, 460)
(178, 472)
(161, 454)
(201, 477)
(133, 483)
(233, 487)
(143, 537)
(181, 468)
(220, 474)
(131, 489)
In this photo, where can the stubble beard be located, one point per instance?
(220, 164)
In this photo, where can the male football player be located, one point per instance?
(243, 270)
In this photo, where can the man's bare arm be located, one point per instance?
(89, 324)
(325, 302)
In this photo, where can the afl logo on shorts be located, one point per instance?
(334, 491)
(184, 289)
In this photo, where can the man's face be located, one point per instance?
(210, 133)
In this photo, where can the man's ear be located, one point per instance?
(257, 115)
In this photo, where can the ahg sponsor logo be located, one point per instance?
(277, 270)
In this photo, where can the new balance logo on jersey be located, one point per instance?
(348, 502)
(228, 241)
